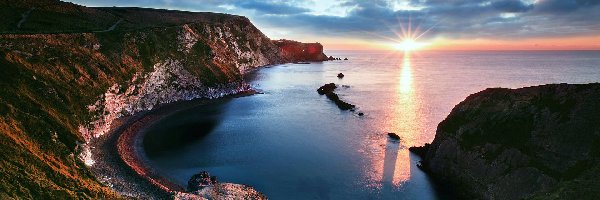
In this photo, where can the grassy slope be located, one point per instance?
(39, 133)
(51, 16)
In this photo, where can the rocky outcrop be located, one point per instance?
(205, 186)
(327, 90)
(226, 191)
(201, 180)
(293, 51)
(539, 142)
(338, 102)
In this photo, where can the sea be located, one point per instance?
(289, 142)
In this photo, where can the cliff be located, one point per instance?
(69, 71)
(293, 51)
(539, 142)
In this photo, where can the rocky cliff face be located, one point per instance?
(61, 87)
(293, 51)
(536, 142)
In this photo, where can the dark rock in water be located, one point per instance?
(394, 136)
(361, 114)
(327, 88)
(340, 75)
(345, 86)
(341, 104)
(420, 165)
(529, 143)
(201, 180)
(331, 58)
(345, 58)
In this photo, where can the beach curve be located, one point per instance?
(127, 170)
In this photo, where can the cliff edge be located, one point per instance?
(294, 51)
(539, 142)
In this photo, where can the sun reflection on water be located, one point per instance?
(406, 75)
(390, 165)
(404, 121)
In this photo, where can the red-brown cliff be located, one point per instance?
(294, 51)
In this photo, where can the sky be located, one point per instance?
(437, 24)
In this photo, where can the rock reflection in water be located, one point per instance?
(389, 163)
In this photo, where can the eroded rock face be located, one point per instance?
(534, 142)
(294, 51)
(168, 82)
(226, 50)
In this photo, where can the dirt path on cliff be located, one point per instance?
(24, 17)
(111, 28)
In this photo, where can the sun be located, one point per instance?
(409, 44)
(409, 38)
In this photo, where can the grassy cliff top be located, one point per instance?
(53, 16)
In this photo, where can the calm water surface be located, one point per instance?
(291, 143)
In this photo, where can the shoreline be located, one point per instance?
(126, 170)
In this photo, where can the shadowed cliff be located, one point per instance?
(539, 142)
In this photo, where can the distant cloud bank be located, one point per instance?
(380, 19)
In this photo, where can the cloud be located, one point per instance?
(378, 19)
(512, 6)
(495, 19)
(562, 6)
(277, 8)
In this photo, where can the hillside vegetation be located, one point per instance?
(540, 142)
(62, 58)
